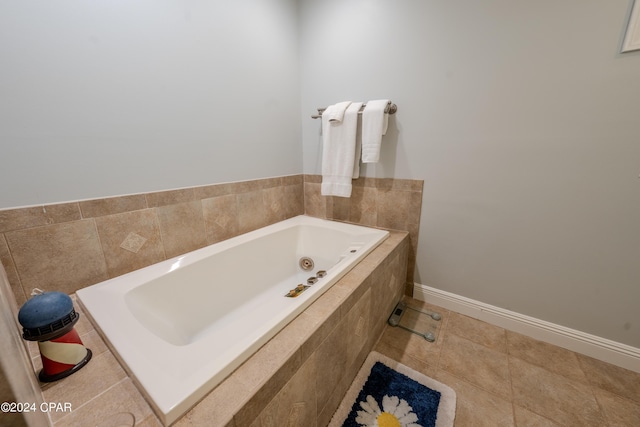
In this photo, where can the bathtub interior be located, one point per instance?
(181, 326)
(181, 306)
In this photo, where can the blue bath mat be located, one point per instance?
(387, 393)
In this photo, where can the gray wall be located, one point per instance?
(117, 97)
(522, 118)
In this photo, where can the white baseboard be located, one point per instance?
(603, 349)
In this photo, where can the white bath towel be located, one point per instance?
(358, 154)
(338, 152)
(374, 124)
(335, 113)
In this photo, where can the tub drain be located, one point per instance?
(306, 263)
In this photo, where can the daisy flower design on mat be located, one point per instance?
(395, 412)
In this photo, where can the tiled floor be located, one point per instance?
(501, 379)
(506, 379)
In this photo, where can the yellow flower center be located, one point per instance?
(386, 419)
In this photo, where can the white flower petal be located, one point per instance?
(403, 408)
(367, 408)
(366, 419)
(375, 409)
(392, 405)
(389, 404)
(409, 418)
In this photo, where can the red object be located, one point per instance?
(62, 356)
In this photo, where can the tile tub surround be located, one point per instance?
(68, 246)
(299, 376)
(375, 202)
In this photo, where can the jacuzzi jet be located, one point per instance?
(321, 273)
(312, 280)
(306, 263)
(296, 291)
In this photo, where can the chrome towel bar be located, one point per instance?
(391, 109)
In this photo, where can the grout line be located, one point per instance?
(510, 371)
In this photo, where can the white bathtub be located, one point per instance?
(182, 325)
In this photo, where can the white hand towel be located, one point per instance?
(335, 113)
(356, 158)
(374, 124)
(338, 152)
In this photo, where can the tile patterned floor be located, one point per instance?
(501, 379)
(506, 379)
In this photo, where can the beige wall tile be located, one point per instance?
(170, 197)
(17, 219)
(292, 180)
(340, 208)
(376, 202)
(12, 273)
(272, 182)
(258, 371)
(251, 211)
(358, 327)
(295, 403)
(394, 184)
(293, 200)
(333, 401)
(316, 179)
(112, 205)
(264, 201)
(394, 209)
(314, 203)
(331, 365)
(364, 207)
(116, 231)
(249, 186)
(274, 204)
(181, 227)
(265, 390)
(63, 257)
(220, 218)
(320, 328)
(221, 403)
(209, 191)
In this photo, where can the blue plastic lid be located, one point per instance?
(45, 309)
